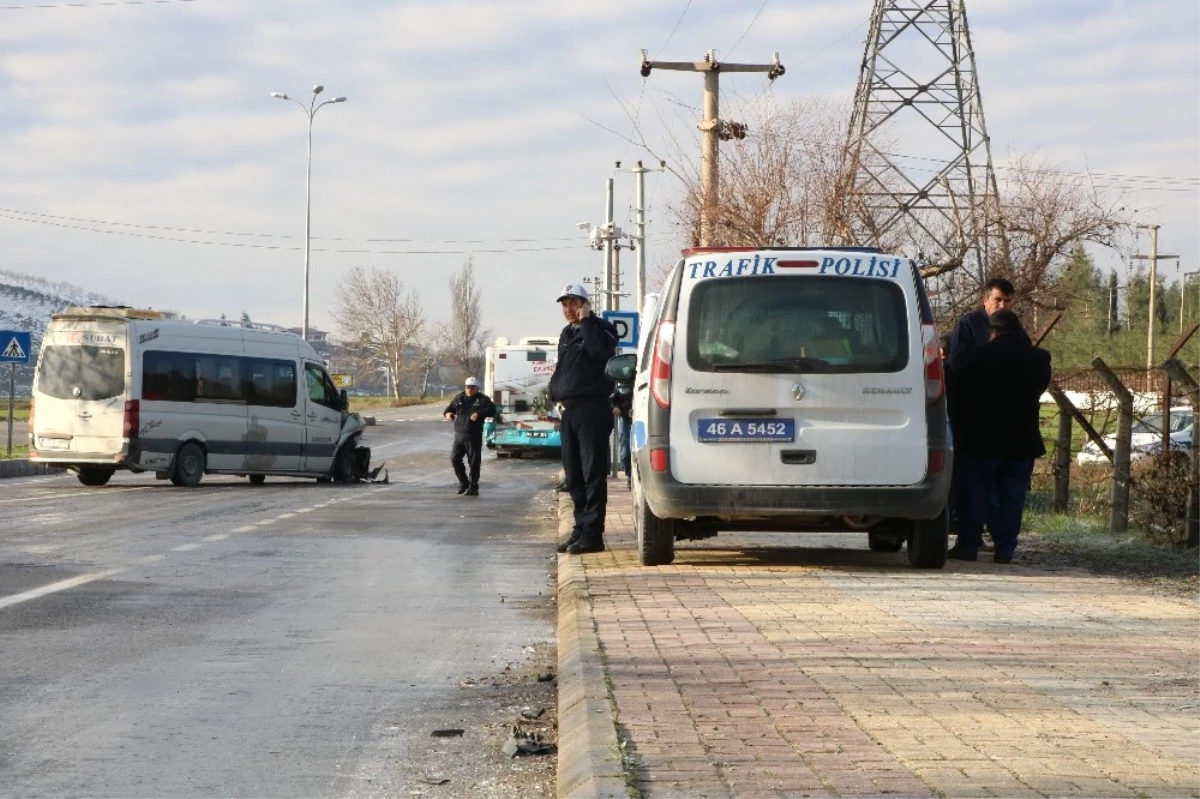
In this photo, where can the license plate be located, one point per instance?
(718, 431)
(53, 443)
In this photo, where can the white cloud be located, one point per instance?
(469, 120)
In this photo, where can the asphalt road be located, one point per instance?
(289, 639)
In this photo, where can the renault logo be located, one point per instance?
(797, 392)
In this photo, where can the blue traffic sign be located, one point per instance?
(15, 346)
(626, 323)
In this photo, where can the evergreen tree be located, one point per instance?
(245, 316)
(1114, 304)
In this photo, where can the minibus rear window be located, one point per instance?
(798, 324)
(81, 372)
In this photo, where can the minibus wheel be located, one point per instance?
(94, 475)
(257, 479)
(189, 465)
(343, 464)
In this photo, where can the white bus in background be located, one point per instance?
(119, 388)
(516, 377)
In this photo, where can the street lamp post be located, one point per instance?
(311, 111)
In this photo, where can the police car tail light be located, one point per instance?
(133, 413)
(935, 380)
(660, 364)
(658, 460)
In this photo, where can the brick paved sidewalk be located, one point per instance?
(744, 670)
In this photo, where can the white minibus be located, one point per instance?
(120, 388)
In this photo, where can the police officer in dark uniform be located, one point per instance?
(467, 411)
(579, 386)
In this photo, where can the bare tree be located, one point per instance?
(378, 319)
(788, 181)
(464, 337)
(791, 181)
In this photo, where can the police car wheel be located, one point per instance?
(883, 543)
(655, 536)
(93, 476)
(928, 540)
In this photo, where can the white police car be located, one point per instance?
(790, 389)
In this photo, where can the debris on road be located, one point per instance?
(524, 742)
(447, 733)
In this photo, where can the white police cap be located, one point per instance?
(573, 290)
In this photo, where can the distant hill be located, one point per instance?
(26, 303)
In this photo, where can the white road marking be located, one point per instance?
(391, 444)
(244, 529)
(73, 582)
(218, 536)
(285, 516)
(185, 547)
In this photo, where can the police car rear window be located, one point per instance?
(797, 324)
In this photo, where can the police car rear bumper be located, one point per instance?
(670, 499)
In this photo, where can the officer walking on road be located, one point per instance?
(578, 385)
(468, 410)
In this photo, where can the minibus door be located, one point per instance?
(322, 418)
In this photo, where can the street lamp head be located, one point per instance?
(338, 100)
(280, 95)
(318, 89)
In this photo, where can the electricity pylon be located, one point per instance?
(920, 157)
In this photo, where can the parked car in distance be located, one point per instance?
(1181, 443)
(1146, 431)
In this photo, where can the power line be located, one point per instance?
(95, 5)
(671, 35)
(748, 27)
(1106, 175)
(244, 245)
(19, 213)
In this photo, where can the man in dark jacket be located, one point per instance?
(998, 435)
(467, 411)
(581, 389)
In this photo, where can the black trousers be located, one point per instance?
(470, 446)
(585, 429)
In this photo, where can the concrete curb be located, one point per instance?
(589, 754)
(22, 467)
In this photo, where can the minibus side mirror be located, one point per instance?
(345, 400)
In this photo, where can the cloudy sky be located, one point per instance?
(144, 158)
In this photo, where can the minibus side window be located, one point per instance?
(269, 383)
(168, 376)
(321, 389)
(217, 378)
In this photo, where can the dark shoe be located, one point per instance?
(462, 489)
(565, 545)
(1002, 559)
(472, 492)
(961, 554)
(580, 548)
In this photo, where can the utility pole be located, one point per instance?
(712, 126)
(608, 245)
(1153, 258)
(639, 236)
(1183, 291)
